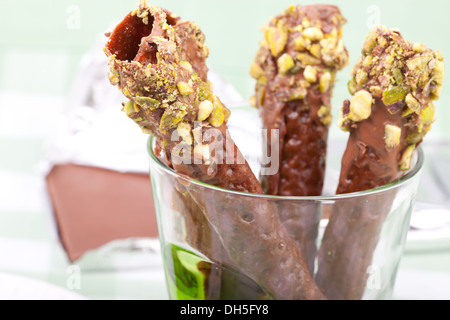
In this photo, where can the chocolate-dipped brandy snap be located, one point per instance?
(393, 86)
(157, 61)
(295, 68)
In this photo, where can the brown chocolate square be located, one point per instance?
(94, 206)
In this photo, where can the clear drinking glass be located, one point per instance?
(351, 243)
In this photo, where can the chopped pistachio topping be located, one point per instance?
(406, 76)
(313, 34)
(325, 82)
(204, 91)
(307, 59)
(323, 111)
(392, 135)
(299, 44)
(219, 114)
(412, 103)
(438, 77)
(361, 77)
(315, 50)
(325, 116)
(184, 88)
(360, 106)
(146, 130)
(414, 138)
(114, 76)
(352, 86)
(297, 93)
(129, 108)
(186, 66)
(327, 120)
(277, 39)
(376, 91)
(394, 95)
(205, 108)
(256, 71)
(172, 116)
(398, 76)
(310, 74)
(308, 51)
(165, 94)
(285, 63)
(405, 162)
(147, 103)
(427, 115)
(260, 95)
(342, 122)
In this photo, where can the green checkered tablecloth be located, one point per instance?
(41, 50)
(29, 242)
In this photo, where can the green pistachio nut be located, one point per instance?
(129, 108)
(405, 162)
(392, 135)
(438, 78)
(172, 117)
(427, 115)
(297, 94)
(260, 95)
(204, 91)
(277, 39)
(313, 34)
(307, 59)
(325, 82)
(414, 138)
(370, 43)
(420, 63)
(147, 103)
(360, 106)
(361, 77)
(352, 86)
(205, 108)
(310, 74)
(256, 71)
(184, 88)
(398, 76)
(220, 113)
(285, 63)
(394, 95)
(186, 66)
(412, 103)
(315, 50)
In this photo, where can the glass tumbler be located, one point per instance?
(351, 244)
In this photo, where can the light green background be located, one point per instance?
(42, 42)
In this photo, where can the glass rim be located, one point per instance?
(404, 179)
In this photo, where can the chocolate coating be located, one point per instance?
(393, 85)
(367, 163)
(295, 68)
(166, 84)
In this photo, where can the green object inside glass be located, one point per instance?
(192, 277)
